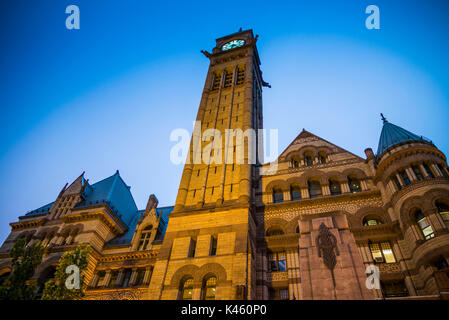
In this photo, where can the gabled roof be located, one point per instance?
(392, 135)
(306, 134)
(114, 192)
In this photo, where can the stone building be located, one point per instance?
(310, 229)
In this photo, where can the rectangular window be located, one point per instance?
(126, 277)
(192, 248)
(278, 261)
(283, 294)
(382, 252)
(213, 246)
(394, 289)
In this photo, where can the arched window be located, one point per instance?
(295, 193)
(443, 210)
(424, 225)
(278, 196)
(354, 185)
(186, 289)
(274, 231)
(314, 188)
(209, 288)
(371, 222)
(145, 238)
(322, 157)
(308, 159)
(295, 162)
(297, 229)
(334, 187)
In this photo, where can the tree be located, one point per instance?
(68, 283)
(24, 262)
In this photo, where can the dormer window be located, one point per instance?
(145, 238)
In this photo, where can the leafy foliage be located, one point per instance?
(56, 289)
(25, 260)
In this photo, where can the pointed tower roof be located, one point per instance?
(392, 135)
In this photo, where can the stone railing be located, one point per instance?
(389, 267)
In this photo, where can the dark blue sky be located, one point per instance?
(107, 96)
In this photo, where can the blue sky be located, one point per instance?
(107, 96)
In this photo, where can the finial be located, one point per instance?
(240, 30)
(383, 118)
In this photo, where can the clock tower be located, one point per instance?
(212, 230)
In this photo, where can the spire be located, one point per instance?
(392, 135)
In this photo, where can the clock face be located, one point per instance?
(233, 44)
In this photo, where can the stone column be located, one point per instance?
(106, 279)
(363, 185)
(344, 187)
(286, 195)
(423, 171)
(93, 282)
(304, 193)
(325, 190)
(120, 276)
(133, 278)
(147, 276)
(436, 170)
(411, 174)
(400, 180)
(408, 281)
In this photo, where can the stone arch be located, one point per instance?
(355, 172)
(312, 174)
(276, 223)
(281, 184)
(291, 225)
(436, 195)
(308, 149)
(212, 269)
(337, 176)
(183, 273)
(409, 207)
(371, 212)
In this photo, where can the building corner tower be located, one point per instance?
(210, 240)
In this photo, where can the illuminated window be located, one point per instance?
(443, 210)
(371, 222)
(382, 252)
(334, 187)
(417, 173)
(295, 193)
(186, 290)
(209, 288)
(278, 261)
(145, 238)
(314, 189)
(354, 185)
(404, 177)
(278, 196)
(424, 225)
